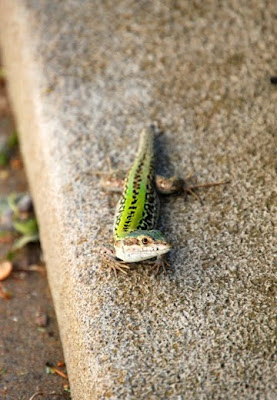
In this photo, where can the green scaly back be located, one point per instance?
(138, 208)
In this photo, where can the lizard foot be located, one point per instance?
(191, 189)
(111, 262)
(158, 265)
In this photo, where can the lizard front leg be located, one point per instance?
(111, 262)
(111, 181)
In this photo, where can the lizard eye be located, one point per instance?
(144, 240)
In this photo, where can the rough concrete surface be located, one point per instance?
(85, 77)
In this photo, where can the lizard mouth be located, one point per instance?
(138, 253)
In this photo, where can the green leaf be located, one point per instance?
(10, 255)
(22, 241)
(28, 227)
(12, 140)
(4, 158)
(49, 370)
(12, 203)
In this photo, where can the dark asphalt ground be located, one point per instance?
(26, 348)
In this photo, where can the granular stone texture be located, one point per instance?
(85, 78)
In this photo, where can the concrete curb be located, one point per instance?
(81, 74)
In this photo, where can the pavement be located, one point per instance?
(84, 79)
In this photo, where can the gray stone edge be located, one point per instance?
(22, 76)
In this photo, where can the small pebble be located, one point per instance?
(5, 269)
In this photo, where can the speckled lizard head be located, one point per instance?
(141, 245)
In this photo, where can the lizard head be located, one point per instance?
(141, 245)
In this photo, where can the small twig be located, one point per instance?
(59, 372)
(35, 395)
(32, 267)
(60, 364)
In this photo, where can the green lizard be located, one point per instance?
(137, 212)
